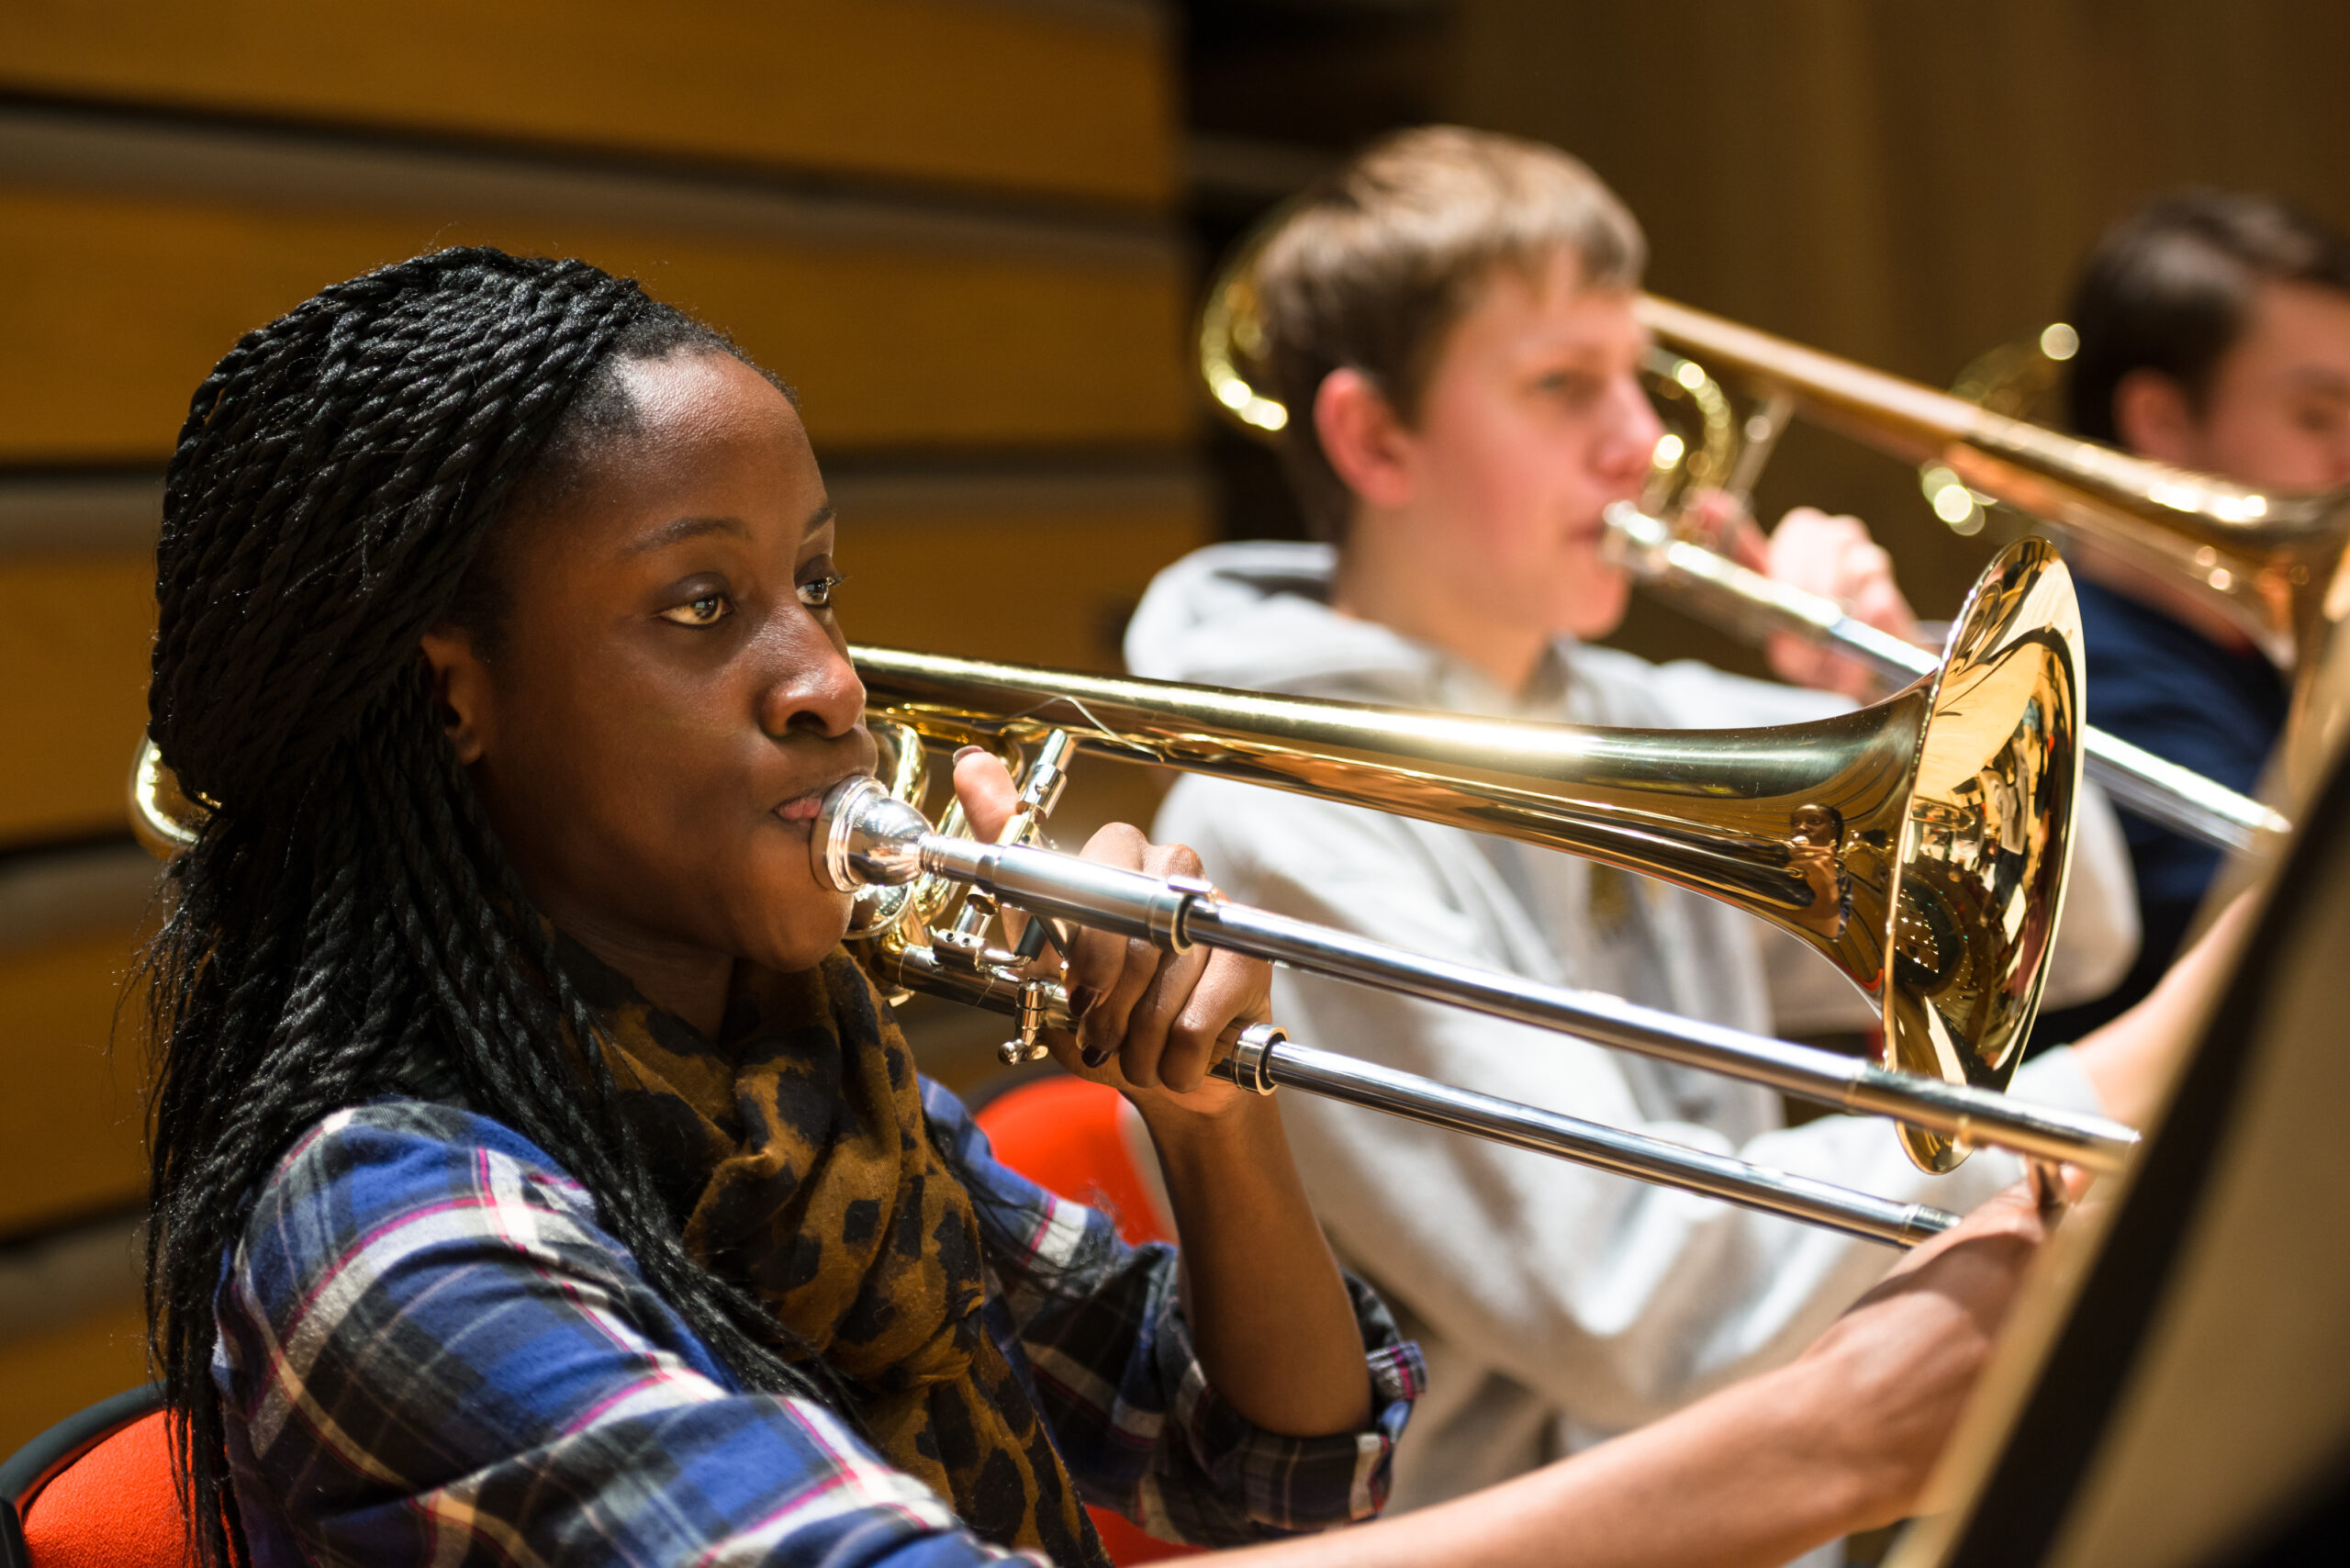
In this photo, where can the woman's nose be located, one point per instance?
(814, 689)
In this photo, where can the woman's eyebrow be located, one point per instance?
(821, 516)
(686, 528)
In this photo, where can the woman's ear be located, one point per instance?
(459, 690)
(1366, 444)
(2154, 419)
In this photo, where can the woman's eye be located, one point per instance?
(708, 609)
(817, 593)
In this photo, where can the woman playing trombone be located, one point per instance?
(534, 1177)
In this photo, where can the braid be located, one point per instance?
(346, 911)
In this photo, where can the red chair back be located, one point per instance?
(1063, 1134)
(95, 1490)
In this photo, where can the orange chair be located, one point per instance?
(1062, 1133)
(95, 1490)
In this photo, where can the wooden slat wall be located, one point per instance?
(943, 221)
(46, 1375)
(70, 1121)
(73, 637)
(891, 344)
(1066, 97)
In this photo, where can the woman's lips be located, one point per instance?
(803, 807)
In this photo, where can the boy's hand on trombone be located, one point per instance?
(1147, 1021)
(1831, 556)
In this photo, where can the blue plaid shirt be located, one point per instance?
(431, 1351)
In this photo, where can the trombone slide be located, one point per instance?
(1262, 1060)
(2163, 792)
(864, 837)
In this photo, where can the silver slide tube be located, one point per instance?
(1264, 1059)
(864, 837)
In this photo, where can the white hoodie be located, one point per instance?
(1557, 1305)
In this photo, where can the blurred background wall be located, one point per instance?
(971, 233)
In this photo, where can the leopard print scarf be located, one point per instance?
(795, 1154)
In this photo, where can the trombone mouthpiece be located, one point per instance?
(865, 837)
(1634, 540)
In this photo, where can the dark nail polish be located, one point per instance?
(1082, 998)
(1094, 1056)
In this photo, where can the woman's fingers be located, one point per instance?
(1098, 961)
(1160, 1013)
(1232, 989)
(986, 790)
(1142, 1044)
(1136, 1032)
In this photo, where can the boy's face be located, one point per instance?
(1532, 422)
(2277, 412)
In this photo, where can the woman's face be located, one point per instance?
(671, 696)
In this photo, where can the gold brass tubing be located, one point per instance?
(2272, 562)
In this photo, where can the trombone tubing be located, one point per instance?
(2163, 792)
(1265, 1059)
(1176, 912)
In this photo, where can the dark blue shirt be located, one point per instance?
(2167, 688)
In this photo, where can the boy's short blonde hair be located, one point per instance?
(1374, 266)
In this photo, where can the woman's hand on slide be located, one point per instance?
(1148, 1022)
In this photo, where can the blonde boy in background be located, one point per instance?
(1450, 322)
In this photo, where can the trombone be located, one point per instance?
(1920, 845)
(870, 840)
(2273, 563)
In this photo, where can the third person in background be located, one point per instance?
(2214, 334)
(1450, 324)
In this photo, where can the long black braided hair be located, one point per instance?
(346, 916)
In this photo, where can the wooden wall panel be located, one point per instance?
(120, 305)
(46, 1377)
(1048, 590)
(74, 633)
(1060, 98)
(70, 1123)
